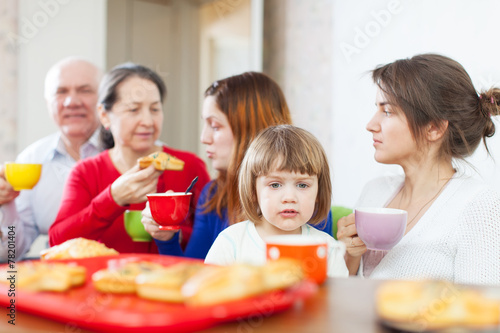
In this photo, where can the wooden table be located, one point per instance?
(340, 305)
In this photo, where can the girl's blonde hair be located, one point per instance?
(284, 148)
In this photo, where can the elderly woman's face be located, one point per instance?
(217, 135)
(136, 118)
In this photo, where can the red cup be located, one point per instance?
(169, 209)
(309, 250)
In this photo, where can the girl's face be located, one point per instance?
(392, 138)
(136, 118)
(216, 134)
(286, 200)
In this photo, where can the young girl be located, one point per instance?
(284, 183)
(235, 110)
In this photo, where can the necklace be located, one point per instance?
(418, 213)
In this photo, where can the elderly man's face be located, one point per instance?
(71, 95)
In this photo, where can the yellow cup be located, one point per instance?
(22, 176)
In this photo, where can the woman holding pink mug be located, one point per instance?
(428, 116)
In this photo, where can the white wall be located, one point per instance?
(48, 31)
(461, 29)
(363, 38)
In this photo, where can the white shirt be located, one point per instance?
(457, 239)
(241, 243)
(33, 211)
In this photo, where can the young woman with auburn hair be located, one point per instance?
(251, 102)
(235, 110)
(429, 115)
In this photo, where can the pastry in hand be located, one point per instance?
(121, 280)
(77, 248)
(42, 276)
(161, 161)
(165, 284)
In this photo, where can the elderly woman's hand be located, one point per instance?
(133, 185)
(7, 193)
(152, 227)
(355, 247)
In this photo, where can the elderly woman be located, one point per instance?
(100, 189)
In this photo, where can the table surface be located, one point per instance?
(340, 305)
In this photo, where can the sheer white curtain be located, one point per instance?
(8, 80)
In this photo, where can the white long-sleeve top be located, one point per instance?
(241, 243)
(457, 239)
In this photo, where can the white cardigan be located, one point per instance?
(457, 239)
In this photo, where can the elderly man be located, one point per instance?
(71, 94)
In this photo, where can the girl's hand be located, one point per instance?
(133, 185)
(348, 234)
(7, 193)
(152, 227)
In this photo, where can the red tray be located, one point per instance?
(87, 308)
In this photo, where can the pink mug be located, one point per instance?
(380, 228)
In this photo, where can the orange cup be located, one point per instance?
(309, 250)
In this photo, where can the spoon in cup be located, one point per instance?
(192, 184)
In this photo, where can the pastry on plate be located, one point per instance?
(430, 305)
(161, 161)
(282, 273)
(44, 276)
(219, 284)
(77, 248)
(165, 284)
(121, 280)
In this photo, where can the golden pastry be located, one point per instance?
(121, 280)
(429, 305)
(77, 248)
(161, 161)
(165, 284)
(216, 284)
(41, 276)
(282, 273)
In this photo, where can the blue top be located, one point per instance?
(207, 227)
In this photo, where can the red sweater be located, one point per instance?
(88, 209)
